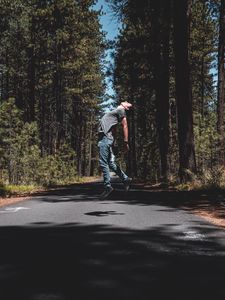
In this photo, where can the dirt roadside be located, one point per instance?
(13, 200)
(214, 214)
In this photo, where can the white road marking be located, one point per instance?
(13, 209)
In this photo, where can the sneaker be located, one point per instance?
(127, 184)
(106, 192)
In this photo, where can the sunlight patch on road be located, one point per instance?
(13, 209)
(48, 296)
(193, 235)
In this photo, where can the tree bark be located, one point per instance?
(162, 87)
(187, 162)
(31, 74)
(221, 84)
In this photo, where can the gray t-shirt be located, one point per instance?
(111, 119)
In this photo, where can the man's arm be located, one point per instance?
(125, 132)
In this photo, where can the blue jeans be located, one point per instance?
(107, 161)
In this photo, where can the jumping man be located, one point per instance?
(106, 156)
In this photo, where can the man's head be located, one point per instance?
(126, 105)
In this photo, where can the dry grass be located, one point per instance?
(14, 194)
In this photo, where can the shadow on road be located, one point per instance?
(211, 201)
(75, 262)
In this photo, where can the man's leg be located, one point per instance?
(104, 154)
(115, 168)
(104, 157)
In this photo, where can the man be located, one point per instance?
(107, 126)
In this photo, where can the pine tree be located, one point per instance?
(182, 12)
(51, 63)
(221, 82)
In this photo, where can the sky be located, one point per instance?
(111, 26)
(108, 21)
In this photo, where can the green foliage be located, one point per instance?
(51, 63)
(17, 190)
(205, 141)
(133, 81)
(19, 145)
(213, 178)
(21, 161)
(52, 87)
(210, 180)
(135, 59)
(57, 169)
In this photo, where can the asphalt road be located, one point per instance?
(69, 245)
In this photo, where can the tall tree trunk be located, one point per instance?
(79, 145)
(57, 86)
(200, 158)
(133, 145)
(31, 74)
(1, 86)
(84, 151)
(57, 79)
(221, 83)
(7, 80)
(90, 146)
(182, 13)
(162, 87)
(131, 162)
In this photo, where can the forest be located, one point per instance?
(168, 61)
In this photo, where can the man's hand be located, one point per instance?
(126, 146)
